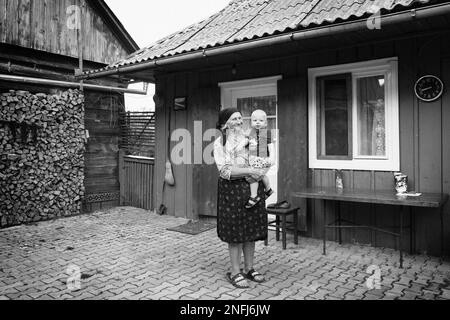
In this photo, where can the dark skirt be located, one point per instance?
(235, 223)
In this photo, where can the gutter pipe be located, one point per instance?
(68, 84)
(405, 16)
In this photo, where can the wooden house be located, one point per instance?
(338, 80)
(42, 45)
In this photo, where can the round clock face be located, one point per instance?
(429, 88)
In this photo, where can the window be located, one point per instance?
(353, 116)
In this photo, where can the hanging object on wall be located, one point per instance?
(180, 104)
(429, 88)
(169, 179)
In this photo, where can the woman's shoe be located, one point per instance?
(255, 276)
(239, 280)
(252, 202)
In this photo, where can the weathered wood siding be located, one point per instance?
(424, 134)
(102, 150)
(43, 25)
(136, 181)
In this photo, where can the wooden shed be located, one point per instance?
(337, 79)
(42, 45)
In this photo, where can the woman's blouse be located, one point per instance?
(233, 154)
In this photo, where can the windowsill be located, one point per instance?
(356, 164)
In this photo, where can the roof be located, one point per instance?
(244, 20)
(115, 24)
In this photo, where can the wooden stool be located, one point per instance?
(283, 214)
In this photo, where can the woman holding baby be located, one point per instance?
(241, 215)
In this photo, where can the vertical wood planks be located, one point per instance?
(208, 176)
(136, 182)
(191, 208)
(3, 22)
(446, 151)
(24, 23)
(430, 134)
(170, 119)
(102, 174)
(347, 209)
(180, 83)
(122, 178)
(407, 77)
(430, 152)
(293, 145)
(161, 139)
(43, 25)
(205, 104)
(38, 18)
(12, 22)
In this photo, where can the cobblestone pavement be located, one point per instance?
(127, 253)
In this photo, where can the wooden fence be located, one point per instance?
(138, 133)
(136, 181)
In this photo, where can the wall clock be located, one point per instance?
(429, 88)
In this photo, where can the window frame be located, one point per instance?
(391, 162)
(320, 135)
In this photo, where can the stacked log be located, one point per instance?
(42, 145)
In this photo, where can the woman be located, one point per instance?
(236, 225)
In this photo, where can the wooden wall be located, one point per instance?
(102, 150)
(136, 181)
(42, 25)
(424, 134)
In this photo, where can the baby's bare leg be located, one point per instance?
(266, 182)
(254, 189)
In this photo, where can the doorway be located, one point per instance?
(248, 96)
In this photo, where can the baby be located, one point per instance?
(261, 155)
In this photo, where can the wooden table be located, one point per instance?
(428, 200)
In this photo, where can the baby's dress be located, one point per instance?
(259, 141)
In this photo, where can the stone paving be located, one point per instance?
(127, 253)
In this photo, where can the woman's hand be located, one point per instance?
(256, 174)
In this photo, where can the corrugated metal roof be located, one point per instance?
(252, 19)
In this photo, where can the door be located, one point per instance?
(248, 96)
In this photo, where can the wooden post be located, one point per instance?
(80, 40)
(122, 177)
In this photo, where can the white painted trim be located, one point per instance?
(229, 89)
(388, 67)
(250, 82)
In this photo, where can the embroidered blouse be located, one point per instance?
(233, 154)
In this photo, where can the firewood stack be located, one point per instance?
(42, 145)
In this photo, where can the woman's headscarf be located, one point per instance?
(224, 116)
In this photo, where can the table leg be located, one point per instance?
(441, 211)
(284, 230)
(324, 232)
(401, 237)
(296, 227)
(277, 228)
(338, 208)
(411, 233)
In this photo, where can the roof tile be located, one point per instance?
(249, 19)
